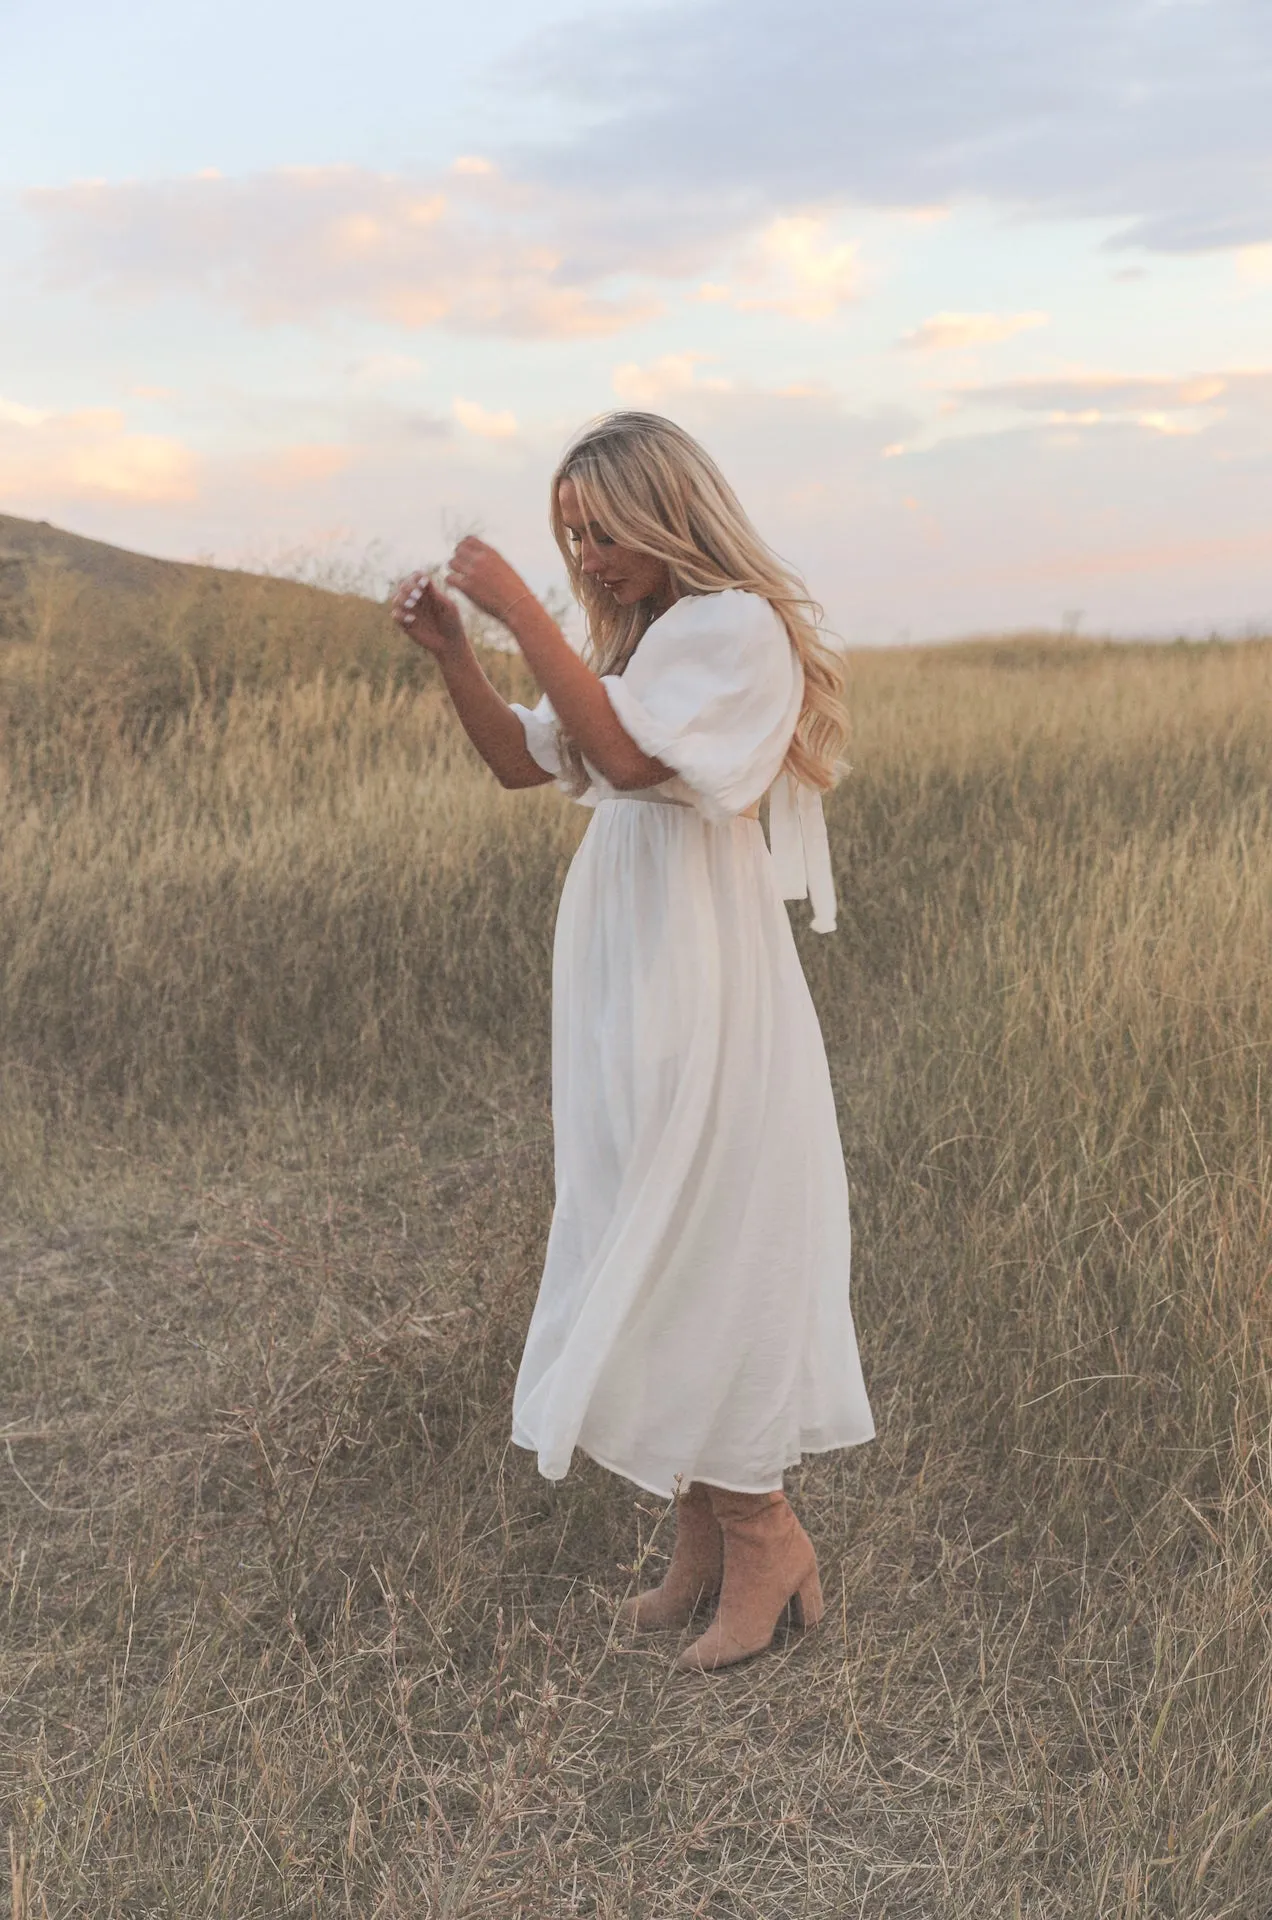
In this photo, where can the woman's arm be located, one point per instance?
(490, 723)
(580, 701)
(433, 622)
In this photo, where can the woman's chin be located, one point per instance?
(625, 595)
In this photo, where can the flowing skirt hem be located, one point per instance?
(726, 1484)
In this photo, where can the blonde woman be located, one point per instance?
(692, 1330)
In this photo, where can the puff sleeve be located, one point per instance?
(714, 692)
(540, 725)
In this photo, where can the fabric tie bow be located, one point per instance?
(801, 848)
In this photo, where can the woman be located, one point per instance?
(692, 1330)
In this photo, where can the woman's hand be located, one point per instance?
(484, 577)
(428, 617)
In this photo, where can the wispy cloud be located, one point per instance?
(469, 249)
(1254, 265)
(1112, 393)
(89, 454)
(486, 425)
(671, 376)
(1161, 404)
(294, 468)
(796, 270)
(945, 332)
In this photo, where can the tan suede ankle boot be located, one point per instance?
(693, 1575)
(769, 1564)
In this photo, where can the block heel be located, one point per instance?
(807, 1605)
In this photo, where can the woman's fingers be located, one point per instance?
(477, 571)
(482, 575)
(427, 616)
(408, 597)
(471, 558)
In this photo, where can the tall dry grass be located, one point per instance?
(290, 1628)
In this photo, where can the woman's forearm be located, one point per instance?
(580, 701)
(489, 721)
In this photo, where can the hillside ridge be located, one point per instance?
(27, 546)
(23, 542)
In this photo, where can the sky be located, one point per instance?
(971, 299)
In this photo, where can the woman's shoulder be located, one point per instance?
(732, 639)
(732, 613)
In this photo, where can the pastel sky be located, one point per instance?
(972, 299)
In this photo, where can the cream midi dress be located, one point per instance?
(693, 1321)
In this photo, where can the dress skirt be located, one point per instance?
(693, 1319)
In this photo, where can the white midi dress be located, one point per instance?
(693, 1320)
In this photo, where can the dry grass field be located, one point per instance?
(290, 1629)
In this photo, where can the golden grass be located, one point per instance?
(290, 1628)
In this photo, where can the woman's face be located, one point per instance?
(627, 574)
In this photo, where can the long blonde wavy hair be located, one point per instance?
(649, 486)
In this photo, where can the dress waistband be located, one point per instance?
(651, 795)
(797, 840)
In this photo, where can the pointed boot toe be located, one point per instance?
(692, 1577)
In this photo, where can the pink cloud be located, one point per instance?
(485, 423)
(303, 466)
(468, 249)
(90, 454)
(1098, 395)
(792, 266)
(671, 377)
(954, 331)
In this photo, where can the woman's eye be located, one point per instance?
(602, 539)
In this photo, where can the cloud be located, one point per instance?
(667, 378)
(1173, 406)
(946, 331)
(1153, 114)
(1254, 265)
(486, 425)
(14, 414)
(89, 455)
(303, 466)
(1100, 394)
(807, 277)
(472, 250)
(468, 250)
